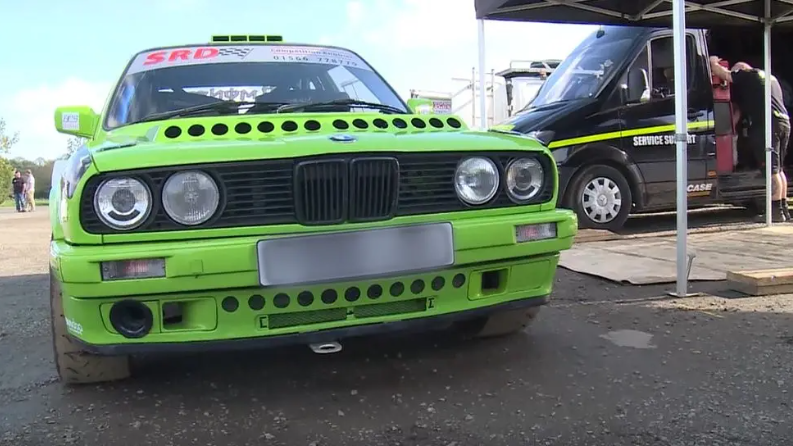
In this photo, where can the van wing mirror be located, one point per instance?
(637, 89)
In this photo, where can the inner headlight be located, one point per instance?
(190, 198)
(122, 203)
(476, 180)
(525, 177)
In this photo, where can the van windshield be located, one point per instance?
(583, 73)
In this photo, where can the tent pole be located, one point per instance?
(681, 140)
(768, 135)
(482, 89)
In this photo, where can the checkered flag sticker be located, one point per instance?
(239, 52)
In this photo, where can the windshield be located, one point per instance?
(583, 73)
(161, 81)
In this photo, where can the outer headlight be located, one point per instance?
(122, 203)
(476, 180)
(190, 198)
(525, 177)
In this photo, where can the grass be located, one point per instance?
(9, 203)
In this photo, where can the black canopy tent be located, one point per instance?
(699, 13)
(676, 14)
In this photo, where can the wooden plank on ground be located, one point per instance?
(762, 282)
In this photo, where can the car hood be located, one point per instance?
(226, 139)
(548, 116)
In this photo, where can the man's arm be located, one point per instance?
(718, 70)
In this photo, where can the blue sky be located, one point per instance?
(414, 44)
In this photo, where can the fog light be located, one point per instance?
(133, 269)
(532, 233)
(131, 319)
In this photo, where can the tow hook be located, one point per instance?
(325, 347)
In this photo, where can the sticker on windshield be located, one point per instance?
(153, 60)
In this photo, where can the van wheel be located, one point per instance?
(74, 365)
(498, 324)
(601, 196)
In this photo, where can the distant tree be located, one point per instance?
(6, 173)
(6, 140)
(73, 144)
(6, 169)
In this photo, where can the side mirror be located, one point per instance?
(420, 106)
(637, 89)
(76, 120)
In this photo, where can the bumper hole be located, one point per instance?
(230, 304)
(494, 281)
(458, 280)
(172, 314)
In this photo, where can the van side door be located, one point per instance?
(649, 126)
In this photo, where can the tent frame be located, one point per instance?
(678, 13)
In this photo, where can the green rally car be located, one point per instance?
(251, 193)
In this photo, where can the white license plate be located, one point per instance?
(338, 256)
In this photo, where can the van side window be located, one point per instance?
(662, 82)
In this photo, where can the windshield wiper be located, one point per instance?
(351, 102)
(221, 106)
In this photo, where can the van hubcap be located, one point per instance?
(601, 200)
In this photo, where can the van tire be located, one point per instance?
(74, 365)
(616, 187)
(499, 324)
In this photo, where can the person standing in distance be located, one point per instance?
(18, 184)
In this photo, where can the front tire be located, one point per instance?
(499, 324)
(74, 365)
(601, 197)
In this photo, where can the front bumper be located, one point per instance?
(491, 269)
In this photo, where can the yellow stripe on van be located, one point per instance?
(626, 133)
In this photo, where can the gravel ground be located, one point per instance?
(604, 365)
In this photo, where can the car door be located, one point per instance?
(648, 126)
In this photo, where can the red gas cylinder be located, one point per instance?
(725, 131)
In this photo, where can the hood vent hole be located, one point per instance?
(380, 123)
(266, 127)
(242, 128)
(400, 123)
(173, 132)
(418, 123)
(312, 125)
(341, 124)
(360, 123)
(435, 122)
(454, 123)
(220, 129)
(196, 130)
(289, 126)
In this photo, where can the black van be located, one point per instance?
(607, 113)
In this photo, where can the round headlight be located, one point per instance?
(190, 198)
(476, 180)
(525, 177)
(122, 203)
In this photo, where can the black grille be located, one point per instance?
(270, 192)
(374, 185)
(321, 192)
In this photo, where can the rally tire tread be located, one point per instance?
(505, 323)
(584, 176)
(74, 365)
